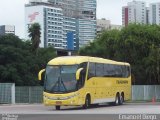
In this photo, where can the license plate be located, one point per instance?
(58, 102)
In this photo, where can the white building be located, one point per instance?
(154, 13)
(103, 24)
(134, 12)
(78, 22)
(7, 29)
(55, 28)
(51, 26)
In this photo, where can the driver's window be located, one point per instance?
(81, 81)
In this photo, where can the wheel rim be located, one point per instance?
(117, 100)
(87, 102)
(122, 100)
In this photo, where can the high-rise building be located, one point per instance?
(134, 12)
(154, 13)
(68, 6)
(86, 21)
(56, 29)
(69, 21)
(147, 15)
(103, 25)
(7, 29)
(125, 15)
(84, 12)
(86, 31)
(50, 20)
(78, 19)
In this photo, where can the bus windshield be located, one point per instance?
(61, 79)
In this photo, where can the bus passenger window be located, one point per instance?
(128, 71)
(99, 70)
(109, 70)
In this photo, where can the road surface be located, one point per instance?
(101, 112)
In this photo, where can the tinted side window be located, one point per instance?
(108, 70)
(111, 70)
(91, 70)
(129, 70)
(118, 70)
(126, 71)
(99, 69)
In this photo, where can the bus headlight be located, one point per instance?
(51, 98)
(61, 98)
(68, 97)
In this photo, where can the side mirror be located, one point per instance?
(78, 73)
(40, 74)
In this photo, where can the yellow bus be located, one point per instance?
(83, 80)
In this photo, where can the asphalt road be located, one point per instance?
(143, 111)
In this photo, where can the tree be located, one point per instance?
(103, 46)
(35, 34)
(18, 64)
(136, 44)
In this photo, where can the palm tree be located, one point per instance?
(35, 34)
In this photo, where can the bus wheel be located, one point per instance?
(87, 102)
(58, 107)
(117, 100)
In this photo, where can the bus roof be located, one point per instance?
(70, 60)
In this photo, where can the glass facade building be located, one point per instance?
(86, 31)
(84, 12)
(69, 27)
(86, 21)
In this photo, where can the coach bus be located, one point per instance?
(83, 80)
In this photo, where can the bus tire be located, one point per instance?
(58, 107)
(87, 102)
(117, 100)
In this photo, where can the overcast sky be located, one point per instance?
(12, 12)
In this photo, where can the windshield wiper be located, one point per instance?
(52, 89)
(64, 85)
(59, 82)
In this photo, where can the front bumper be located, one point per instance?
(62, 100)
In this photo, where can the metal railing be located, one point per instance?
(145, 92)
(34, 94)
